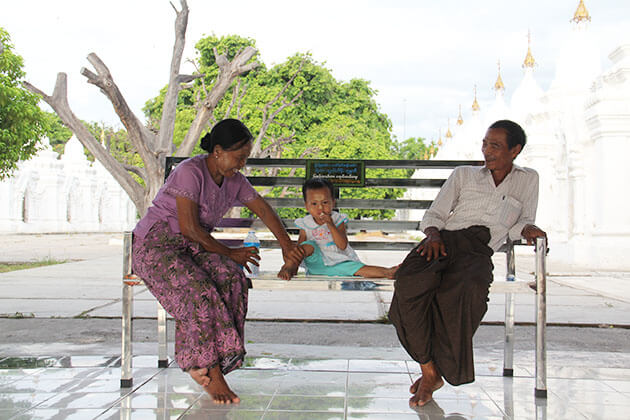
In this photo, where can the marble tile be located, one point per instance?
(378, 384)
(81, 400)
(62, 413)
(158, 400)
(336, 365)
(142, 414)
(307, 403)
(248, 403)
(384, 366)
(20, 401)
(34, 385)
(266, 363)
(378, 405)
(300, 415)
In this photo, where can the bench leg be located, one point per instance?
(162, 337)
(508, 343)
(126, 378)
(541, 318)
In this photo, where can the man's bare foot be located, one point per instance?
(219, 390)
(426, 385)
(390, 272)
(200, 376)
(414, 387)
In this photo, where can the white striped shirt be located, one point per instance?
(469, 197)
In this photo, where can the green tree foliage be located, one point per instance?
(22, 123)
(414, 148)
(58, 134)
(115, 140)
(329, 119)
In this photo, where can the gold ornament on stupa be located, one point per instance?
(529, 58)
(448, 134)
(460, 120)
(581, 14)
(475, 105)
(498, 85)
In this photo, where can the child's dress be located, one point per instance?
(327, 259)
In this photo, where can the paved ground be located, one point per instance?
(60, 347)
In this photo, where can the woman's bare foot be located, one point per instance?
(426, 385)
(219, 390)
(200, 376)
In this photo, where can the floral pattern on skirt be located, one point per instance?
(205, 292)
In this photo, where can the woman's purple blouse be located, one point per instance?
(191, 179)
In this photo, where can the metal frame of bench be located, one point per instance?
(509, 287)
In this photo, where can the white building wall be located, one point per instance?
(48, 194)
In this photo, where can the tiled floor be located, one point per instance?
(87, 387)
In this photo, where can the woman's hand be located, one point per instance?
(242, 256)
(295, 256)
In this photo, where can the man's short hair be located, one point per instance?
(514, 133)
(316, 184)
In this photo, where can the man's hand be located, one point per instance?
(531, 232)
(432, 247)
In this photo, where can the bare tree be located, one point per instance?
(152, 147)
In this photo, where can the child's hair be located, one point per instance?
(317, 183)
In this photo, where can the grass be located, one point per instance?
(5, 267)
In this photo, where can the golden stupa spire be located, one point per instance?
(475, 105)
(581, 14)
(439, 142)
(448, 134)
(460, 120)
(498, 85)
(529, 58)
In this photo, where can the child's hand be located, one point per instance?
(326, 218)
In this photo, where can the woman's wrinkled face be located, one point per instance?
(319, 202)
(229, 162)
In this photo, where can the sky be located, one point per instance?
(422, 57)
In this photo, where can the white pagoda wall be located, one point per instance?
(48, 194)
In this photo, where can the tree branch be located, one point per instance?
(228, 71)
(59, 103)
(141, 172)
(139, 135)
(169, 109)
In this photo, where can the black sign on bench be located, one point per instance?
(171, 163)
(342, 173)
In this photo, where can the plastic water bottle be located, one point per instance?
(252, 240)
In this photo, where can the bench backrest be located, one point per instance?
(305, 165)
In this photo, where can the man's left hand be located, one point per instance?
(531, 232)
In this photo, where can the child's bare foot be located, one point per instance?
(219, 390)
(390, 272)
(287, 271)
(200, 376)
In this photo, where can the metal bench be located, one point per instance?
(267, 280)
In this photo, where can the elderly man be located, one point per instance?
(441, 288)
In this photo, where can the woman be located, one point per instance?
(198, 280)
